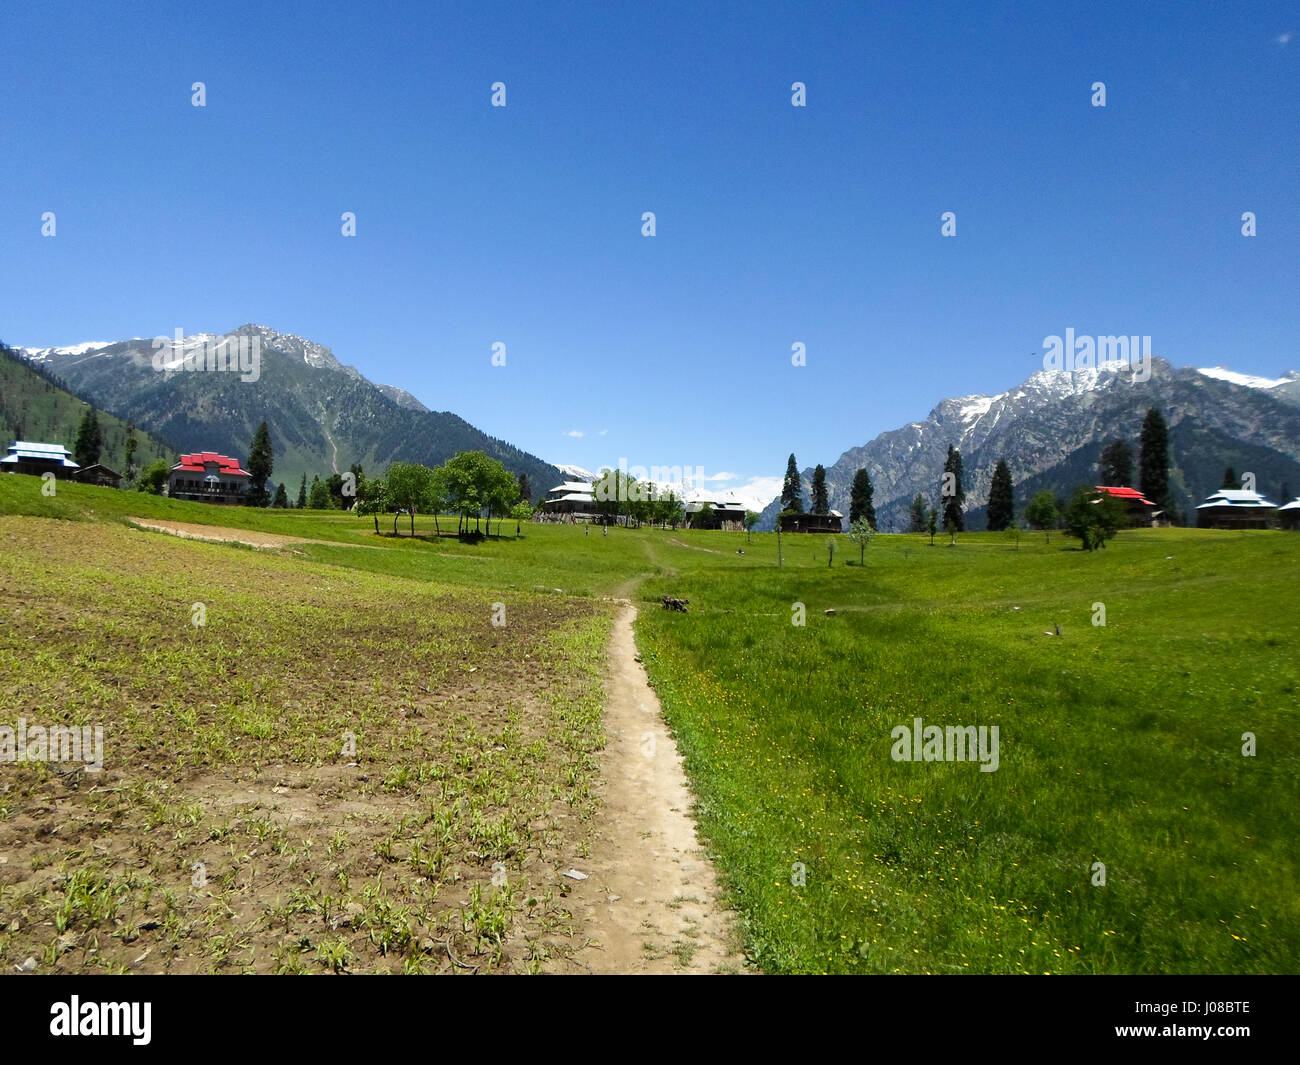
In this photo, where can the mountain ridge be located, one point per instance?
(324, 415)
(1052, 426)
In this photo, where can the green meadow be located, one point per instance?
(1120, 744)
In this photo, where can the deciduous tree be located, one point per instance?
(1042, 513)
(861, 532)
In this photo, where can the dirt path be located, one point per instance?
(222, 535)
(695, 547)
(651, 903)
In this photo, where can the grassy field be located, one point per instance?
(1119, 744)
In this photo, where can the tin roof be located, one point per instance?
(30, 450)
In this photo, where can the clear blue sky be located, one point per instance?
(775, 224)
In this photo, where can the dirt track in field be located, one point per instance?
(222, 535)
(650, 904)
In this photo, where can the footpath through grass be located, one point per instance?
(1118, 744)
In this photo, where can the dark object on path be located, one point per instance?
(740, 550)
(676, 604)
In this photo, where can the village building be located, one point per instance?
(100, 475)
(1235, 508)
(830, 522)
(1289, 514)
(1138, 509)
(725, 511)
(572, 500)
(27, 456)
(207, 477)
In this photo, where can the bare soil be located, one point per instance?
(651, 903)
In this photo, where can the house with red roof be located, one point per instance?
(1138, 509)
(207, 477)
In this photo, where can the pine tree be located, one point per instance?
(792, 489)
(302, 492)
(260, 463)
(860, 499)
(952, 493)
(525, 489)
(1002, 505)
(131, 445)
(281, 497)
(820, 502)
(1153, 462)
(1116, 465)
(916, 515)
(1229, 478)
(89, 440)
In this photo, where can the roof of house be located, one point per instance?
(200, 460)
(30, 450)
(717, 500)
(1127, 494)
(1237, 497)
(100, 467)
(571, 486)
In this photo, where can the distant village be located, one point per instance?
(209, 477)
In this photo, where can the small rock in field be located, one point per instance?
(29, 966)
(573, 874)
(830, 613)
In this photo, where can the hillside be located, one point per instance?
(323, 416)
(1051, 430)
(36, 406)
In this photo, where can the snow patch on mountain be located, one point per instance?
(39, 354)
(575, 473)
(1222, 373)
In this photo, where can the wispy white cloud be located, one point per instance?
(575, 433)
(603, 432)
(720, 477)
(1284, 38)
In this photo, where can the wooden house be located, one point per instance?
(1235, 508)
(100, 475)
(27, 456)
(207, 477)
(1138, 509)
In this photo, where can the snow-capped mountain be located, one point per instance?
(317, 356)
(575, 473)
(1051, 430)
(323, 415)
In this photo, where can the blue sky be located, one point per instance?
(775, 224)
